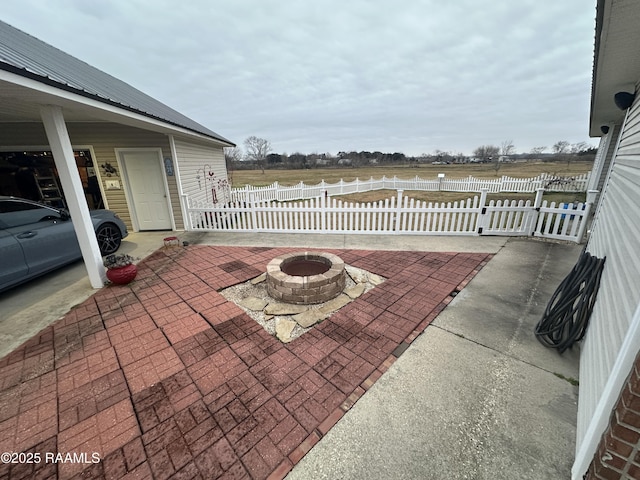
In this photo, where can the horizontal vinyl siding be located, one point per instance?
(202, 169)
(104, 138)
(615, 234)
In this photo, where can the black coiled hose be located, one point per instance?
(567, 314)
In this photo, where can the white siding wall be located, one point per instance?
(203, 172)
(104, 138)
(616, 235)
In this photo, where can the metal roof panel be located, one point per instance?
(28, 56)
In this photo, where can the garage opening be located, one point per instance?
(33, 175)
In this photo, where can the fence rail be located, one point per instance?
(301, 191)
(397, 215)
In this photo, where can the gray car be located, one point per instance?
(36, 238)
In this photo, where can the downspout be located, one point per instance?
(181, 195)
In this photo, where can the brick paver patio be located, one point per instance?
(165, 378)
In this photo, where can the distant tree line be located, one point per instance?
(258, 154)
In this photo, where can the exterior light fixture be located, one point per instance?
(624, 100)
(604, 129)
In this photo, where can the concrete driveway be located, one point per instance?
(30, 307)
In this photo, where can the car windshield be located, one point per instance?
(15, 213)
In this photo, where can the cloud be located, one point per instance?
(331, 75)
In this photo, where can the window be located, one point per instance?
(14, 213)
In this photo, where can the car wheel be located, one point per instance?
(109, 238)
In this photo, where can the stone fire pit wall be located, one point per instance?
(310, 289)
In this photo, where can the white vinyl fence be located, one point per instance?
(396, 215)
(275, 191)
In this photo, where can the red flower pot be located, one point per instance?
(122, 275)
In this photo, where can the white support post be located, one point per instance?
(65, 161)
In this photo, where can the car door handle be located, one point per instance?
(29, 234)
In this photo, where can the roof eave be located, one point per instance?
(616, 66)
(596, 56)
(67, 88)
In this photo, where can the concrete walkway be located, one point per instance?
(474, 396)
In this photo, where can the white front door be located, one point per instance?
(147, 189)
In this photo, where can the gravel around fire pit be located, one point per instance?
(253, 298)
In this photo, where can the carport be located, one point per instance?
(46, 91)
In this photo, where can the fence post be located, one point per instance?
(482, 217)
(440, 177)
(538, 201)
(323, 211)
(398, 210)
(535, 212)
(252, 206)
(591, 198)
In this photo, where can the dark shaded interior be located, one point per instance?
(304, 268)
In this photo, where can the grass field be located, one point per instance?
(313, 176)
(440, 197)
(241, 178)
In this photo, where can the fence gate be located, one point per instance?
(508, 218)
(538, 219)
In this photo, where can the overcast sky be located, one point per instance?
(340, 75)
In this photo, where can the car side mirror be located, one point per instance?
(64, 214)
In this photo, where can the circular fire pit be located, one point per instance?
(305, 277)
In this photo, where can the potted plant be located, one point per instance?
(120, 268)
